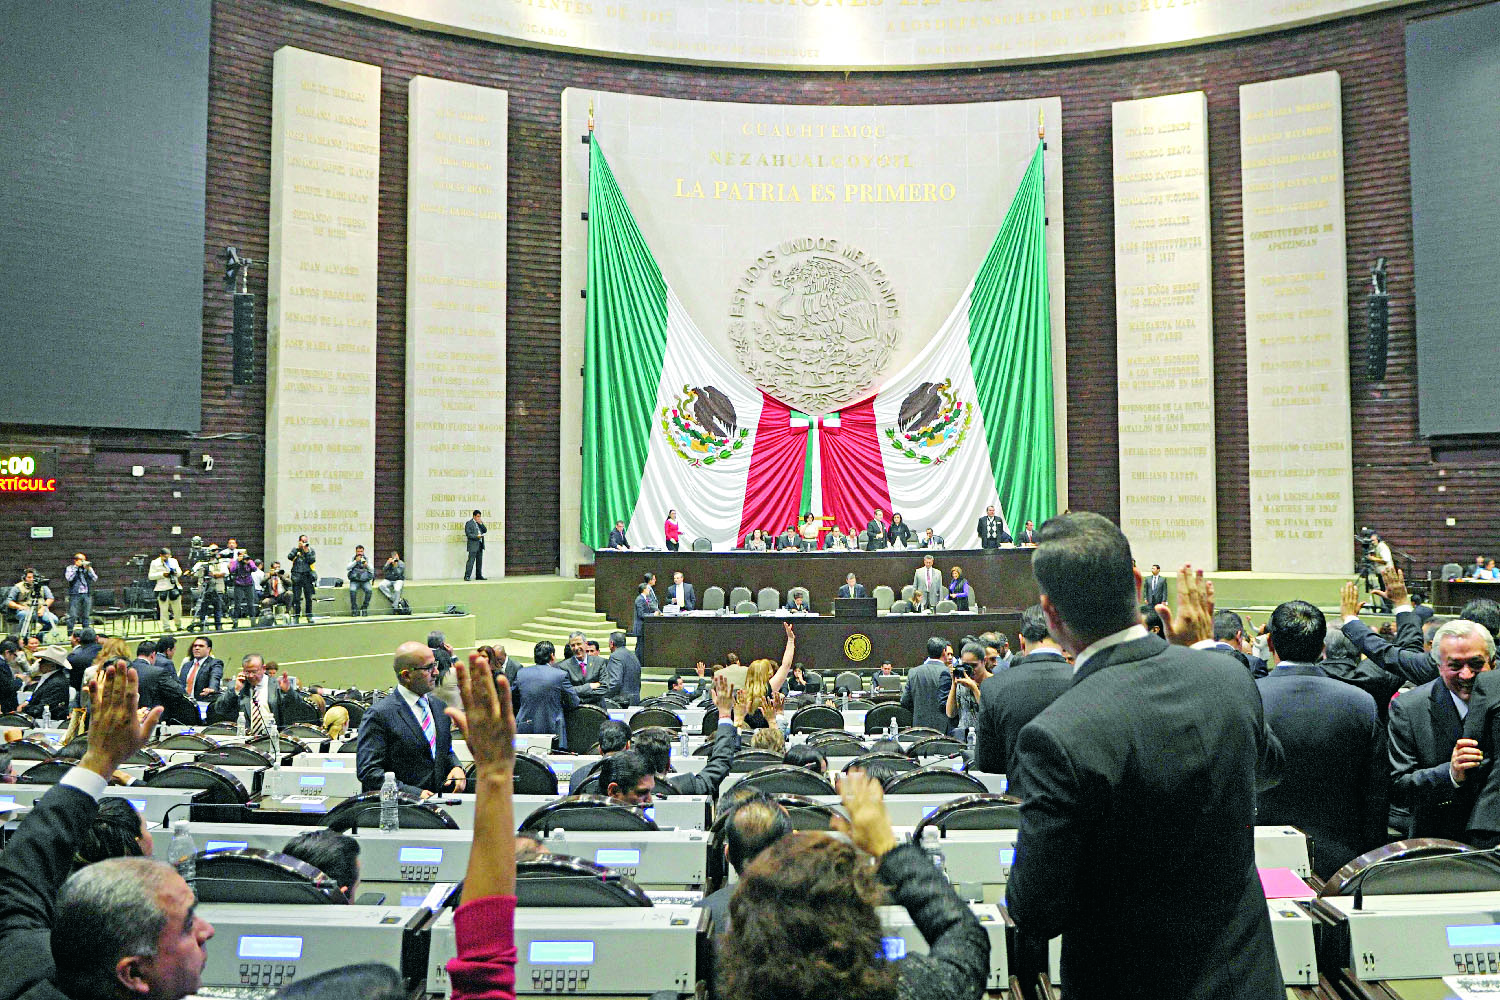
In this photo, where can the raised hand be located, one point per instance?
(1349, 602)
(869, 825)
(1194, 619)
(1395, 586)
(487, 721)
(117, 730)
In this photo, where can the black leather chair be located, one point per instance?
(915, 734)
(895, 761)
(878, 719)
(533, 776)
(934, 781)
(1429, 865)
(558, 880)
(787, 778)
(250, 875)
(186, 741)
(648, 718)
(586, 812)
(355, 709)
(289, 746)
(31, 750)
(305, 731)
(219, 786)
(987, 811)
(752, 760)
(216, 729)
(364, 811)
(234, 755)
(17, 719)
(814, 718)
(935, 746)
(582, 724)
(837, 744)
(47, 772)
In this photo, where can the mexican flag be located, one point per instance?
(671, 424)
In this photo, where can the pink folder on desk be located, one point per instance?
(1283, 883)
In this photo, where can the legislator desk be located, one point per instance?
(824, 643)
(1449, 594)
(999, 578)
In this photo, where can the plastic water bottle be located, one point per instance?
(971, 741)
(932, 844)
(390, 815)
(844, 702)
(184, 853)
(682, 743)
(274, 737)
(46, 716)
(239, 724)
(890, 729)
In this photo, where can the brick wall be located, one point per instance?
(113, 515)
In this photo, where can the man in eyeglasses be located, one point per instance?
(407, 732)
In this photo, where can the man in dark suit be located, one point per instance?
(51, 691)
(474, 530)
(584, 671)
(1334, 786)
(614, 736)
(682, 594)
(1343, 662)
(645, 604)
(86, 647)
(159, 687)
(622, 674)
(991, 530)
(753, 824)
(1155, 586)
(1138, 787)
(797, 601)
(656, 747)
(1016, 695)
(1407, 657)
(1432, 751)
(1028, 534)
(876, 530)
(201, 672)
(253, 696)
(10, 662)
(544, 694)
(852, 588)
(407, 732)
(927, 684)
(617, 538)
(46, 915)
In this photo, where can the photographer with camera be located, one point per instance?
(360, 577)
(969, 671)
(393, 575)
(30, 600)
(212, 572)
(304, 561)
(166, 574)
(81, 579)
(275, 591)
(242, 579)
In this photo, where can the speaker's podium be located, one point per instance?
(854, 607)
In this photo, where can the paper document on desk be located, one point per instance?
(1474, 987)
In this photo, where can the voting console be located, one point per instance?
(269, 946)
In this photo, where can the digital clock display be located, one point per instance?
(28, 470)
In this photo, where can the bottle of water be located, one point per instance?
(932, 844)
(890, 729)
(239, 724)
(274, 737)
(184, 853)
(844, 702)
(390, 815)
(971, 741)
(46, 716)
(682, 743)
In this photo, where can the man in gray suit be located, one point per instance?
(927, 684)
(474, 529)
(622, 674)
(583, 670)
(928, 580)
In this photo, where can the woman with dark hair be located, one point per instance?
(756, 541)
(803, 924)
(672, 531)
(118, 831)
(898, 532)
(958, 589)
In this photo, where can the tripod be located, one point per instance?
(31, 614)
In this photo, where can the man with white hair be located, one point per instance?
(1430, 756)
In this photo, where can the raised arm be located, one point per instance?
(779, 677)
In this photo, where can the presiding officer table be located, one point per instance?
(999, 578)
(824, 643)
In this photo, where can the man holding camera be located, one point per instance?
(276, 590)
(242, 580)
(81, 580)
(360, 577)
(30, 599)
(211, 573)
(164, 573)
(304, 578)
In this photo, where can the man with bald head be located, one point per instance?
(407, 732)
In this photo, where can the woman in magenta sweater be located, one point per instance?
(484, 924)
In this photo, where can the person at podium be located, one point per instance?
(992, 530)
(898, 535)
(876, 530)
(958, 589)
(836, 539)
(797, 603)
(852, 588)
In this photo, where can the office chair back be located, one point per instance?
(661, 718)
(737, 595)
(363, 812)
(558, 880)
(235, 755)
(1452, 571)
(17, 719)
(814, 718)
(219, 786)
(586, 812)
(33, 749)
(768, 599)
(289, 746)
(582, 724)
(878, 719)
(787, 778)
(533, 776)
(981, 811)
(934, 781)
(305, 731)
(936, 746)
(746, 761)
(884, 597)
(837, 744)
(46, 772)
(213, 729)
(1432, 865)
(894, 761)
(249, 875)
(847, 680)
(946, 607)
(355, 709)
(746, 608)
(713, 599)
(701, 544)
(859, 705)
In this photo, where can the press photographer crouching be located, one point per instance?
(30, 601)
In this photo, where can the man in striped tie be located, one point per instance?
(407, 732)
